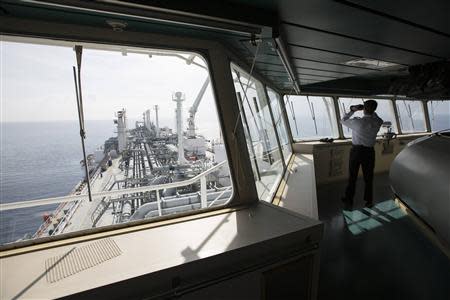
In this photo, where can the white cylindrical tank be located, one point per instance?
(113, 154)
(220, 153)
(99, 154)
(147, 122)
(178, 97)
(122, 130)
(195, 146)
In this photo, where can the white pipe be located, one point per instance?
(157, 120)
(158, 201)
(203, 200)
(122, 130)
(220, 195)
(112, 193)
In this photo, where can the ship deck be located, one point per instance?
(81, 219)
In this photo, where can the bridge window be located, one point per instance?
(277, 110)
(384, 110)
(265, 154)
(153, 138)
(411, 116)
(40, 144)
(439, 112)
(311, 117)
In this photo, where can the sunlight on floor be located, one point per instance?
(365, 219)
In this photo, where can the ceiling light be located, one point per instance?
(116, 25)
(370, 63)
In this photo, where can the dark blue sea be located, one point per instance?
(40, 160)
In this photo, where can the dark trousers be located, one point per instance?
(364, 156)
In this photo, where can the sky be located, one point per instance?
(37, 85)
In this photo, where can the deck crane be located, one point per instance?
(193, 110)
(194, 146)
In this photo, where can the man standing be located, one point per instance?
(364, 134)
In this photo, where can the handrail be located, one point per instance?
(56, 200)
(220, 195)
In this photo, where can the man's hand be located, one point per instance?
(356, 107)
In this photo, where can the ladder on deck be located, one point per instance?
(100, 210)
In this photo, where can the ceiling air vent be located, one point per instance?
(370, 63)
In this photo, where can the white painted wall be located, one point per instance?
(331, 159)
(299, 194)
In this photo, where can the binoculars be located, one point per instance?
(357, 107)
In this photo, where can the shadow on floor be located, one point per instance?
(376, 253)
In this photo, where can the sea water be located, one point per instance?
(41, 160)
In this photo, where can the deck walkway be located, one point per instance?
(81, 219)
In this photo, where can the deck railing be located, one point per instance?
(57, 200)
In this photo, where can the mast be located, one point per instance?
(157, 120)
(178, 97)
(122, 130)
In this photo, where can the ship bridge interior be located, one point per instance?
(284, 71)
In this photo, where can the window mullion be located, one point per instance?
(284, 116)
(338, 117)
(427, 115)
(397, 117)
(275, 127)
(244, 119)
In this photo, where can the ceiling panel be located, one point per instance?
(314, 78)
(271, 69)
(318, 73)
(338, 18)
(304, 82)
(316, 54)
(272, 65)
(331, 67)
(432, 14)
(310, 38)
(269, 59)
(321, 35)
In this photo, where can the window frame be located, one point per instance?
(429, 113)
(336, 134)
(283, 119)
(232, 67)
(215, 56)
(426, 120)
(393, 100)
(392, 107)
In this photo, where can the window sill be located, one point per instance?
(300, 146)
(167, 249)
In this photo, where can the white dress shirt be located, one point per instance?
(364, 130)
